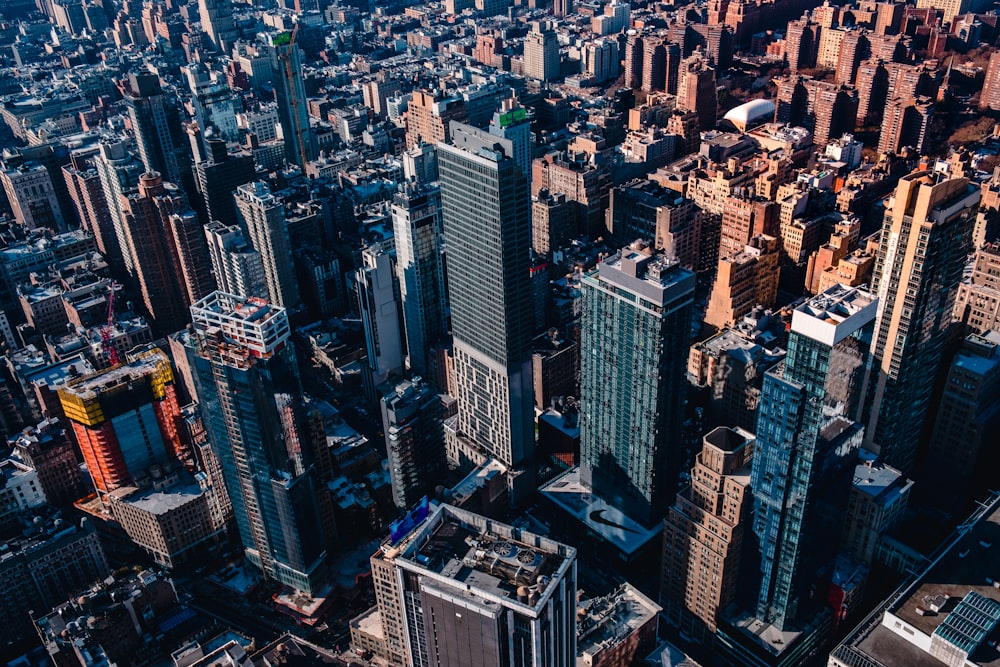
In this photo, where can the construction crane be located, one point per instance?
(106, 344)
(293, 98)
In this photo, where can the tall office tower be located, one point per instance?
(461, 590)
(420, 164)
(805, 443)
(412, 417)
(32, 197)
(167, 249)
(87, 192)
(265, 438)
(218, 175)
(156, 125)
(562, 8)
(632, 395)
(416, 226)
(217, 23)
(375, 282)
(125, 419)
(262, 218)
(802, 43)
(989, 98)
(960, 464)
(290, 93)
(428, 120)
(703, 537)
(119, 171)
(47, 449)
(237, 267)
(905, 123)
(922, 251)
(489, 291)
(541, 52)
(214, 104)
(511, 123)
(696, 90)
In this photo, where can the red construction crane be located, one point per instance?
(106, 344)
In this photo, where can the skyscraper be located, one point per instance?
(805, 443)
(703, 540)
(696, 90)
(217, 21)
(375, 282)
(237, 267)
(290, 92)
(119, 171)
(925, 241)
(634, 339)
(263, 434)
(461, 590)
(156, 125)
(414, 440)
(125, 419)
(541, 52)
(218, 175)
(487, 226)
(262, 217)
(416, 225)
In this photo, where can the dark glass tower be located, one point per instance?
(263, 435)
(634, 339)
(806, 443)
(290, 93)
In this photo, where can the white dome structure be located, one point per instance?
(750, 115)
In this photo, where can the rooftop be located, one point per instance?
(654, 277)
(613, 526)
(605, 622)
(489, 559)
(835, 314)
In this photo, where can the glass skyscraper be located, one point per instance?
(262, 434)
(634, 340)
(806, 440)
(487, 225)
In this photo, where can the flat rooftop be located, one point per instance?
(610, 523)
(968, 565)
(609, 620)
(485, 557)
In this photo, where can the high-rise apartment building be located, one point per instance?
(262, 217)
(978, 302)
(805, 443)
(461, 590)
(989, 98)
(156, 125)
(905, 123)
(218, 175)
(490, 295)
(412, 417)
(416, 225)
(237, 267)
(878, 499)
(119, 171)
(704, 533)
(661, 59)
(696, 91)
(643, 209)
(87, 192)
(267, 440)
(802, 39)
(125, 419)
(285, 58)
(541, 53)
(634, 338)
(826, 109)
(553, 222)
(923, 248)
